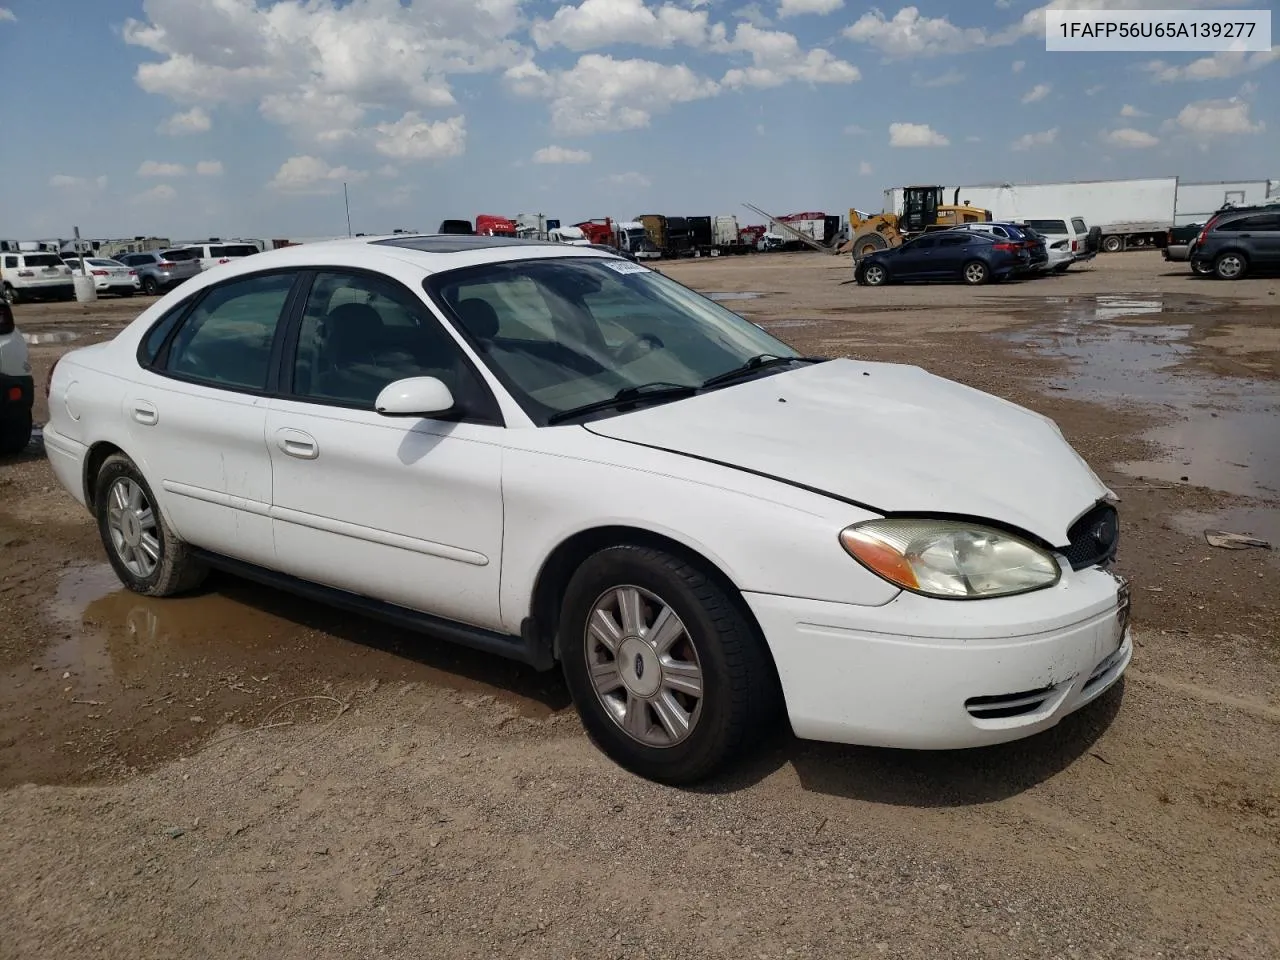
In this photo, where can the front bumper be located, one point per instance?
(921, 673)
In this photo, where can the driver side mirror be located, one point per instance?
(415, 397)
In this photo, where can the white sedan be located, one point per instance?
(109, 276)
(569, 459)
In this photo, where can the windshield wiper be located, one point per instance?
(643, 393)
(759, 362)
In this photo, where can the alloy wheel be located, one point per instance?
(975, 273)
(1230, 266)
(643, 666)
(131, 521)
(874, 275)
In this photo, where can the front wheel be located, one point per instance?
(669, 677)
(10, 293)
(1112, 244)
(1230, 266)
(144, 552)
(976, 273)
(874, 275)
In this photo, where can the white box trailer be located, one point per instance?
(1197, 202)
(1130, 213)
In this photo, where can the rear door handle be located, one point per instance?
(145, 413)
(297, 444)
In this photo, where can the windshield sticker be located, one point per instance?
(625, 266)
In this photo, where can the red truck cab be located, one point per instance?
(488, 225)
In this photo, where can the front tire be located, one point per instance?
(10, 293)
(143, 551)
(976, 273)
(874, 275)
(669, 677)
(1112, 244)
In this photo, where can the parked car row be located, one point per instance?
(981, 252)
(1232, 243)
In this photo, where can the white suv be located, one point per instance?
(214, 254)
(35, 274)
(16, 389)
(1067, 240)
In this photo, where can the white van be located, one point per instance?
(1067, 240)
(214, 254)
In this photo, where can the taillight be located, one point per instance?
(1005, 247)
(1074, 246)
(133, 273)
(1204, 231)
(99, 273)
(165, 263)
(225, 260)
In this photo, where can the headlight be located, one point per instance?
(949, 559)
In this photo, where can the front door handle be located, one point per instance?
(297, 444)
(145, 413)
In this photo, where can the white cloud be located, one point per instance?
(854, 130)
(865, 169)
(1210, 118)
(389, 171)
(1018, 66)
(6, 14)
(1130, 139)
(209, 168)
(1219, 66)
(315, 65)
(186, 122)
(1036, 93)
(1029, 141)
(307, 175)
(602, 23)
(972, 138)
(753, 15)
(777, 57)
(412, 138)
(1095, 89)
(948, 79)
(63, 181)
(155, 168)
(795, 8)
(630, 178)
(1128, 110)
(554, 154)
(909, 34)
(915, 135)
(160, 193)
(1004, 4)
(600, 93)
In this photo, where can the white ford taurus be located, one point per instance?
(565, 457)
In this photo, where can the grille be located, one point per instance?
(1093, 538)
(1007, 704)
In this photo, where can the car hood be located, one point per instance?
(886, 436)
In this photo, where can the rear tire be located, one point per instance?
(1203, 269)
(145, 554)
(150, 287)
(15, 434)
(975, 273)
(1230, 265)
(10, 293)
(1062, 267)
(711, 647)
(1112, 244)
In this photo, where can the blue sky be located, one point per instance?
(193, 118)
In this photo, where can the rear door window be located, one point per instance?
(955, 241)
(1079, 225)
(1262, 221)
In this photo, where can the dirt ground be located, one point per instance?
(239, 774)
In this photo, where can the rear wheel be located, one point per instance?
(1112, 244)
(1202, 268)
(670, 679)
(15, 434)
(150, 287)
(10, 293)
(869, 243)
(1062, 267)
(1230, 266)
(146, 555)
(975, 273)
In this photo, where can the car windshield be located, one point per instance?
(565, 332)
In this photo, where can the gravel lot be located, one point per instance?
(239, 774)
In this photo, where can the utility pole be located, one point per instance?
(347, 203)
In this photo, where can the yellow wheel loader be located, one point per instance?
(922, 210)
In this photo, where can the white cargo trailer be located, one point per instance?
(1197, 202)
(1130, 213)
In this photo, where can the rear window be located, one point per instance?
(233, 250)
(1048, 226)
(44, 260)
(180, 255)
(1264, 221)
(1080, 226)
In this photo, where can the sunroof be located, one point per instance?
(455, 243)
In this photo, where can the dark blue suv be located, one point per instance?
(973, 258)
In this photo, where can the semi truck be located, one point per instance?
(1129, 213)
(633, 239)
(1199, 201)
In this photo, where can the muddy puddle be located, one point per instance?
(127, 681)
(50, 336)
(734, 295)
(1215, 432)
